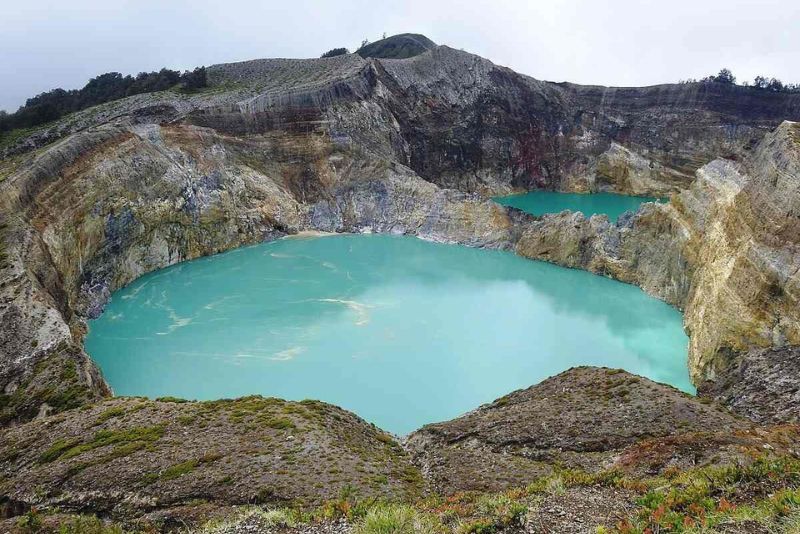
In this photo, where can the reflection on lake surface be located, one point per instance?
(399, 330)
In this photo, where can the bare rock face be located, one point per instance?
(462, 122)
(725, 250)
(761, 385)
(746, 288)
(621, 169)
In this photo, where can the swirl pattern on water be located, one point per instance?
(399, 330)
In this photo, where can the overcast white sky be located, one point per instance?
(62, 43)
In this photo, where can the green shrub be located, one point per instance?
(116, 411)
(65, 449)
(176, 400)
(281, 518)
(31, 521)
(183, 468)
(335, 52)
(497, 511)
(59, 447)
(279, 423)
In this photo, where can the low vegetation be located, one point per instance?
(35, 522)
(397, 519)
(765, 493)
(54, 382)
(178, 470)
(124, 439)
(762, 496)
(333, 52)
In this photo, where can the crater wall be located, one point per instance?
(408, 146)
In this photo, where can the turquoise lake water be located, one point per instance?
(541, 202)
(401, 331)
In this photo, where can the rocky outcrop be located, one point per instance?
(675, 128)
(761, 385)
(400, 46)
(585, 418)
(746, 288)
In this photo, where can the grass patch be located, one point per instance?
(396, 519)
(176, 400)
(86, 524)
(701, 499)
(184, 468)
(12, 137)
(279, 423)
(282, 517)
(116, 411)
(124, 439)
(172, 472)
(57, 449)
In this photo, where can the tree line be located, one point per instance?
(759, 82)
(56, 103)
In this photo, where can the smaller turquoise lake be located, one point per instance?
(401, 331)
(542, 202)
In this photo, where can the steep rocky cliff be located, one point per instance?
(459, 120)
(725, 251)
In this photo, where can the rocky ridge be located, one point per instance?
(128, 457)
(589, 419)
(585, 445)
